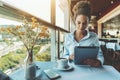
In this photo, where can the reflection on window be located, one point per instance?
(13, 52)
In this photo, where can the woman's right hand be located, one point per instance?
(71, 57)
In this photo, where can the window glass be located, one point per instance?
(62, 14)
(59, 15)
(13, 51)
(39, 8)
(62, 35)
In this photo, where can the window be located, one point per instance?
(59, 15)
(13, 49)
(13, 52)
(62, 14)
(39, 8)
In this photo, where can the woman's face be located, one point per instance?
(81, 22)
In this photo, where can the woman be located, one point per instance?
(81, 36)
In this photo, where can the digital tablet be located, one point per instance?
(84, 52)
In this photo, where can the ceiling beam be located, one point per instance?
(110, 15)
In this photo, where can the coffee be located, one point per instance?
(62, 63)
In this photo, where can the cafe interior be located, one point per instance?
(57, 16)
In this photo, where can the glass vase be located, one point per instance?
(30, 66)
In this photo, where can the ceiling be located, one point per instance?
(99, 7)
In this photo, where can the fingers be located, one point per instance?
(71, 57)
(93, 62)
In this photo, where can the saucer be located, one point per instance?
(64, 69)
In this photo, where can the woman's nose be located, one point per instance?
(81, 25)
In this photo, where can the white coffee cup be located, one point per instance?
(62, 63)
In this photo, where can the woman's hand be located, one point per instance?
(93, 62)
(71, 57)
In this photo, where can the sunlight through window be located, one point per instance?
(39, 8)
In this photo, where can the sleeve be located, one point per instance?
(66, 51)
(100, 54)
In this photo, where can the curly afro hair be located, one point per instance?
(82, 7)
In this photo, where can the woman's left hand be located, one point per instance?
(93, 62)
